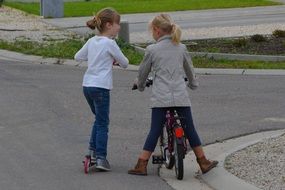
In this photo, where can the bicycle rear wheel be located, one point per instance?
(179, 154)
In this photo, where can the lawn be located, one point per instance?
(84, 8)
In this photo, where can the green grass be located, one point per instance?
(82, 8)
(67, 49)
(61, 49)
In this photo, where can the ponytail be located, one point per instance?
(104, 16)
(94, 23)
(176, 34)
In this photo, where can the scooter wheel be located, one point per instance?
(87, 164)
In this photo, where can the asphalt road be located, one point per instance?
(45, 124)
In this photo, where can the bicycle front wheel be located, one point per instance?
(168, 157)
(179, 156)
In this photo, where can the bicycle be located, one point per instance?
(173, 144)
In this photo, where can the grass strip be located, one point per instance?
(62, 49)
(87, 8)
(67, 49)
(236, 64)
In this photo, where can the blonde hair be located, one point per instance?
(104, 16)
(165, 23)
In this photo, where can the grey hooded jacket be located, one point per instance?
(169, 63)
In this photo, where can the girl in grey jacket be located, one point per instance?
(169, 61)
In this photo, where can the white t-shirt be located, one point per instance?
(100, 52)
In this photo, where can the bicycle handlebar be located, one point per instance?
(148, 83)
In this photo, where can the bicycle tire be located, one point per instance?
(179, 155)
(169, 159)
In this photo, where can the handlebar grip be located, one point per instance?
(148, 82)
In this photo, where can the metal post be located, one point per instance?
(52, 8)
(124, 33)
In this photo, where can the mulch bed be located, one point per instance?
(241, 45)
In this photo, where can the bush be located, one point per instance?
(258, 38)
(240, 42)
(279, 33)
(1, 2)
(130, 52)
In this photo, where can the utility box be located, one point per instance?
(124, 33)
(52, 8)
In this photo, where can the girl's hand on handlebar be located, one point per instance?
(193, 85)
(115, 63)
(148, 83)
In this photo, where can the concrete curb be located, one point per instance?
(239, 71)
(19, 57)
(218, 178)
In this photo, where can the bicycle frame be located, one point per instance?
(174, 150)
(174, 127)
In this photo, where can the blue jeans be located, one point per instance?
(158, 119)
(99, 102)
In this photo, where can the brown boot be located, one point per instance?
(140, 168)
(206, 165)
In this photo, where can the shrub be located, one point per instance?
(133, 56)
(258, 38)
(1, 2)
(278, 33)
(240, 42)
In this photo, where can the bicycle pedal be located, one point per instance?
(157, 159)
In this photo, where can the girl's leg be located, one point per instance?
(99, 102)
(194, 140)
(189, 127)
(157, 121)
(102, 107)
(145, 155)
(87, 91)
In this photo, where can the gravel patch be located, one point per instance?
(261, 164)
(17, 25)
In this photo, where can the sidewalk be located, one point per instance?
(218, 178)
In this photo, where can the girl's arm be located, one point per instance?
(144, 70)
(189, 71)
(118, 55)
(82, 54)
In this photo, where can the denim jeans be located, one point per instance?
(158, 119)
(99, 102)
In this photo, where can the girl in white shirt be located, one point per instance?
(101, 52)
